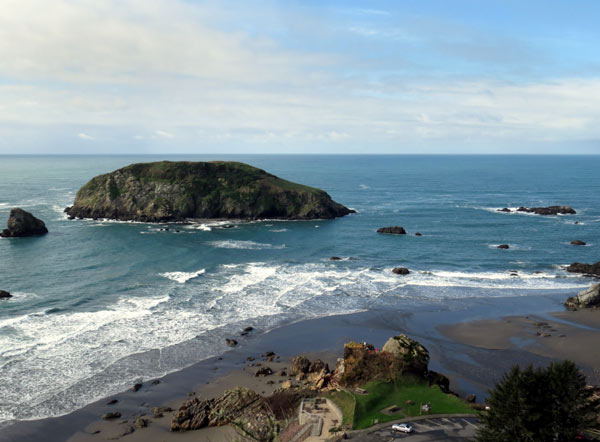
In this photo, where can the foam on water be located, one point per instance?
(247, 245)
(182, 277)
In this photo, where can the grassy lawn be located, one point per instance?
(384, 394)
(346, 403)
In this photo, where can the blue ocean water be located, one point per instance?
(98, 305)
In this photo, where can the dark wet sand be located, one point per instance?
(473, 341)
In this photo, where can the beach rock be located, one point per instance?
(416, 356)
(578, 243)
(174, 191)
(112, 402)
(243, 408)
(158, 412)
(141, 422)
(395, 230)
(111, 415)
(282, 373)
(585, 298)
(400, 271)
(503, 246)
(550, 210)
(587, 269)
(21, 223)
(231, 342)
(4, 294)
(300, 365)
(136, 387)
(317, 366)
(156, 382)
(263, 371)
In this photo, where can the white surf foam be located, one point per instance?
(247, 245)
(278, 230)
(182, 277)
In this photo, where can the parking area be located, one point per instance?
(434, 429)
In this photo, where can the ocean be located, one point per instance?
(99, 305)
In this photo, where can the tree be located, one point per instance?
(538, 405)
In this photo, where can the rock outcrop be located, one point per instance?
(22, 223)
(586, 269)
(300, 365)
(395, 230)
(550, 210)
(5, 294)
(578, 242)
(243, 408)
(400, 271)
(414, 354)
(585, 299)
(503, 246)
(174, 191)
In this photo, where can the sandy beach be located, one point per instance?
(472, 341)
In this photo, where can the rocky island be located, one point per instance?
(22, 223)
(175, 191)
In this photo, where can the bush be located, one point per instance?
(538, 405)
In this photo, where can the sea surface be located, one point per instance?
(99, 305)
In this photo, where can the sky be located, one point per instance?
(312, 76)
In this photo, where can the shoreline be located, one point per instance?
(472, 366)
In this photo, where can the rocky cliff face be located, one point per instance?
(172, 191)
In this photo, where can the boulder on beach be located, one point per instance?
(21, 223)
(231, 342)
(300, 364)
(243, 408)
(578, 242)
(586, 269)
(503, 246)
(585, 299)
(395, 230)
(168, 191)
(4, 294)
(400, 271)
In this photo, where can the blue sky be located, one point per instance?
(177, 76)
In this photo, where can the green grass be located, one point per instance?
(384, 394)
(346, 402)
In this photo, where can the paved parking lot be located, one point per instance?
(434, 429)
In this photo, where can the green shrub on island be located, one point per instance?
(539, 405)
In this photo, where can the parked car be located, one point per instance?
(403, 428)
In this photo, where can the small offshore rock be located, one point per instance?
(21, 223)
(5, 294)
(418, 234)
(400, 271)
(503, 246)
(578, 243)
(550, 210)
(587, 269)
(335, 258)
(111, 415)
(395, 230)
(136, 387)
(231, 342)
(505, 209)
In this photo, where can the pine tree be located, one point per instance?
(537, 405)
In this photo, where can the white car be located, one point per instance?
(404, 428)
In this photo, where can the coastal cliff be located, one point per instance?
(174, 191)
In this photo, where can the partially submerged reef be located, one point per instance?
(550, 210)
(175, 191)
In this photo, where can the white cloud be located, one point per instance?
(163, 134)
(85, 136)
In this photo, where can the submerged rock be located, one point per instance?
(587, 269)
(400, 271)
(395, 230)
(578, 242)
(173, 191)
(503, 246)
(585, 299)
(22, 223)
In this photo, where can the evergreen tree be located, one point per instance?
(538, 405)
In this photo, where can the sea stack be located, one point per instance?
(169, 191)
(394, 230)
(21, 223)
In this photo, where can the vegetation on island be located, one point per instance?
(174, 191)
(539, 405)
